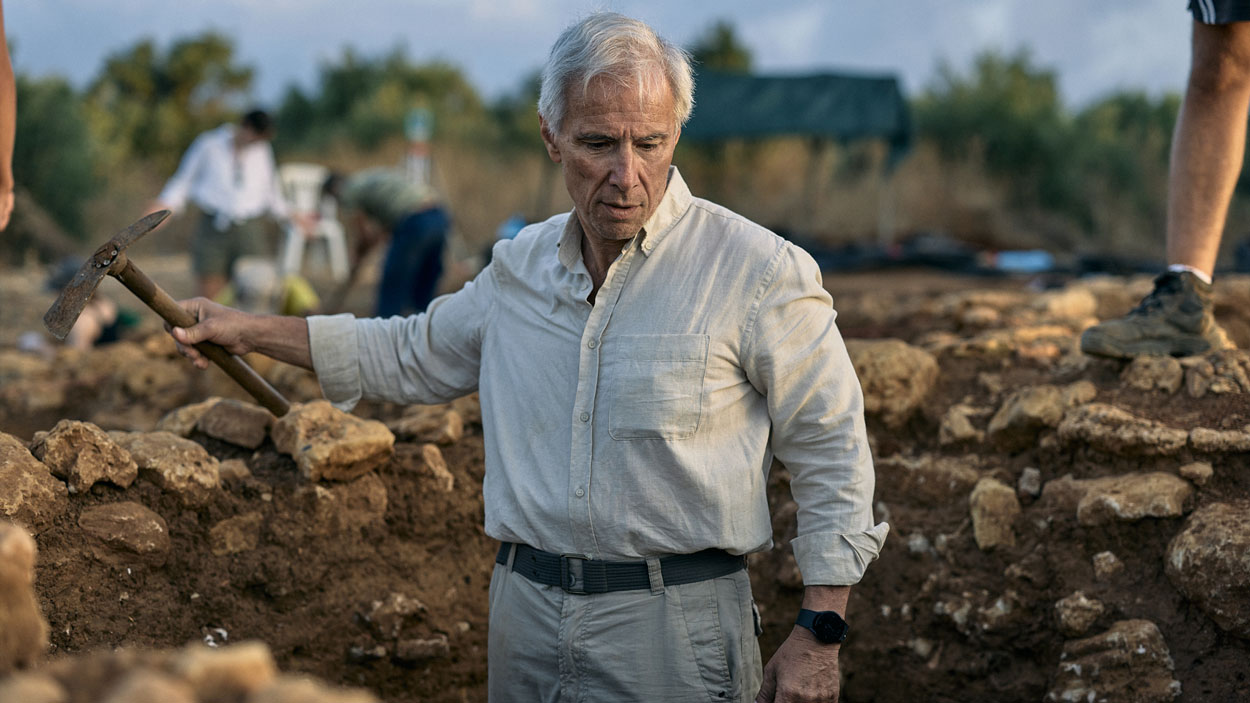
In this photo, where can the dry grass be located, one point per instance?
(822, 190)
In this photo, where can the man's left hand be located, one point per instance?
(803, 670)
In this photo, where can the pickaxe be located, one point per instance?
(111, 259)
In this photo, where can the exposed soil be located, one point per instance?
(305, 590)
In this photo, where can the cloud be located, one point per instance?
(789, 35)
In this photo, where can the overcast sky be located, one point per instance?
(1094, 47)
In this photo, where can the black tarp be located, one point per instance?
(837, 106)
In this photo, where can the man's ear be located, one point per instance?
(549, 140)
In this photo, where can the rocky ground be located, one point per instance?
(1062, 528)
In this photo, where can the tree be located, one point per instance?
(53, 156)
(366, 100)
(150, 104)
(719, 49)
(1009, 111)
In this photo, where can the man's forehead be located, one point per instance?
(609, 98)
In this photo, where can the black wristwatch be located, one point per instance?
(828, 626)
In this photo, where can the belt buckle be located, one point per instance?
(571, 574)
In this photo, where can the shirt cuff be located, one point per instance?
(836, 559)
(332, 343)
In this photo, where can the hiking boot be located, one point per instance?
(1174, 320)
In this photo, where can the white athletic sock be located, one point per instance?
(1202, 275)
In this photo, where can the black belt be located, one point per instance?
(579, 575)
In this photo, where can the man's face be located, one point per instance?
(615, 144)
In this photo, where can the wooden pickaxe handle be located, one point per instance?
(173, 313)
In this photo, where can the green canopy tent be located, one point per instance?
(827, 107)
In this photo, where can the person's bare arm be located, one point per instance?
(279, 337)
(8, 126)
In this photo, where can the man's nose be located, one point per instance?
(625, 169)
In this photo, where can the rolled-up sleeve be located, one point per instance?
(432, 357)
(796, 357)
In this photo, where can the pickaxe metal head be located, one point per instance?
(61, 317)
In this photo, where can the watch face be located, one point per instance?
(829, 628)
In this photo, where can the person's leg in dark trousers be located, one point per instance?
(414, 263)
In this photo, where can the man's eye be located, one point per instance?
(597, 145)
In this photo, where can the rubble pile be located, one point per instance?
(1063, 528)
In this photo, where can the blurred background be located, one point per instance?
(949, 129)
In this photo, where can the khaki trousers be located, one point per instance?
(692, 642)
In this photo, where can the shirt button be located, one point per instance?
(585, 417)
(592, 343)
(579, 492)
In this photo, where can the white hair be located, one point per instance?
(618, 47)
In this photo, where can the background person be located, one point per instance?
(229, 174)
(381, 204)
(1207, 150)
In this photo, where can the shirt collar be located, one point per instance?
(672, 207)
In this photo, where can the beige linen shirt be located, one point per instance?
(644, 424)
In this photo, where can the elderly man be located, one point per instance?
(640, 361)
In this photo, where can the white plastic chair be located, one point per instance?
(301, 185)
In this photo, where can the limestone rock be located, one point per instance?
(327, 443)
(994, 508)
(1154, 373)
(236, 422)
(1199, 472)
(28, 493)
(429, 423)
(16, 364)
(146, 686)
(181, 421)
(23, 631)
(1111, 429)
(1030, 483)
(1077, 614)
(298, 689)
(178, 465)
(390, 617)
(82, 454)
(415, 650)
(895, 377)
(32, 688)
(957, 425)
(1132, 497)
(33, 395)
(233, 470)
(470, 408)
(1205, 439)
(927, 479)
(227, 673)
(1106, 565)
(125, 534)
(1071, 303)
(1218, 373)
(236, 534)
(1129, 663)
(1024, 413)
(1078, 393)
(1208, 562)
(434, 465)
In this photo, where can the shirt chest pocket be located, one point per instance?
(656, 385)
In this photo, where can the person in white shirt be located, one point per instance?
(230, 175)
(640, 361)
